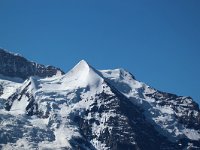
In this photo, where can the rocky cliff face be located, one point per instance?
(91, 109)
(1, 90)
(14, 65)
(186, 110)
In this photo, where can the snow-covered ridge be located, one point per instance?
(162, 111)
(95, 109)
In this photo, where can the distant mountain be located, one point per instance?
(14, 65)
(91, 109)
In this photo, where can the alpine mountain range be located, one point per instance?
(44, 108)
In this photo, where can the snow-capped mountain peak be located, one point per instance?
(82, 75)
(117, 74)
(93, 109)
(82, 66)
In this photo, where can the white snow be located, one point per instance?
(64, 96)
(9, 85)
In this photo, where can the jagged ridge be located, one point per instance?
(14, 65)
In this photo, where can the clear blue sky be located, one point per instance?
(158, 41)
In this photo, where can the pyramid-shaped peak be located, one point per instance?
(82, 75)
(82, 68)
(83, 63)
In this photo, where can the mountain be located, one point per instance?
(91, 109)
(14, 65)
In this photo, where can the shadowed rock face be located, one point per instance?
(186, 111)
(13, 65)
(1, 90)
(128, 130)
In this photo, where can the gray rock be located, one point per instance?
(14, 65)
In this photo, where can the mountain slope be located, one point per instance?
(14, 65)
(90, 109)
(175, 117)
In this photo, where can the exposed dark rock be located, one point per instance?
(81, 144)
(187, 117)
(129, 128)
(13, 65)
(1, 90)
